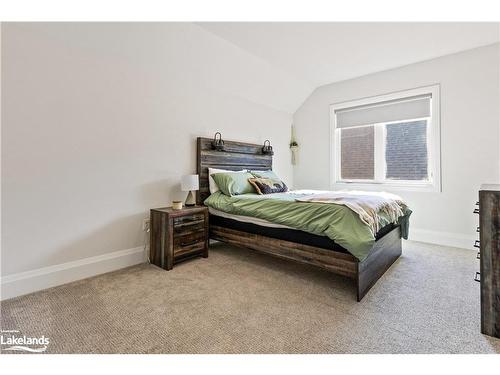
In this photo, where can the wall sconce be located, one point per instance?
(267, 149)
(218, 143)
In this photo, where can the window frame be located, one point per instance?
(380, 183)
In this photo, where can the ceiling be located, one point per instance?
(322, 53)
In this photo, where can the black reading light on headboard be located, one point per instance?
(267, 149)
(218, 143)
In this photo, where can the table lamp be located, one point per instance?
(190, 183)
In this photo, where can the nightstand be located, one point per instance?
(177, 235)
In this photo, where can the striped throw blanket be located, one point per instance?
(366, 204)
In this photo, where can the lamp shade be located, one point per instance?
(190, 182)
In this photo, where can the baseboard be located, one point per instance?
(463, 241)
(31, 281)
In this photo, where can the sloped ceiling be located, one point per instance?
(321, 53)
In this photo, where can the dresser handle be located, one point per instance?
(477, 244)
(478, 256)
(476, 211)
(478, 230)
(477, 277)
(477, 203)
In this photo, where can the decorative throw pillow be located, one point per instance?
(268, 185)
(212, 186)
(265, 174)
(234, 183)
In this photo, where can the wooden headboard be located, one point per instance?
(236, 156)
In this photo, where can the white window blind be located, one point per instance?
(388, 111)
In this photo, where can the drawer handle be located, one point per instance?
(477, 203)
(477, 277)
(189, 218)
(478, 256)
(184, 244)
(188, 222)
(477, 244)
(476, 211)
(478, 230)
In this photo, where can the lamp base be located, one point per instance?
(190, 199)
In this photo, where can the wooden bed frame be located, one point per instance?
(237, 156)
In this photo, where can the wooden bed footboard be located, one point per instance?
(366, 273)
(384, 253)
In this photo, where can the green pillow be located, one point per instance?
(234, 183)
(266, 174)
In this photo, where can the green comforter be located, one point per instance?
(339, 223)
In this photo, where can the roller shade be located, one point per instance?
(393, 110)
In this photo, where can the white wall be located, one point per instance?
(469, 137)
(99, 123)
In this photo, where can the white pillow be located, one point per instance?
(212, 185)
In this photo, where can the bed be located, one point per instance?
(281, 241)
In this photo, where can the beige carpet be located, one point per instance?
(238, 301)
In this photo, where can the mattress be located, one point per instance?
(245, 219)
(264, 228)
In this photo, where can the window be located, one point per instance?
(357, 155)
(391, 140)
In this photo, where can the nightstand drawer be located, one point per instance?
(188, 220)
(183, 239)
(189, 243)
(189, 227)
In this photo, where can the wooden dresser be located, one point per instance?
(177, 235)
(489, 255)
